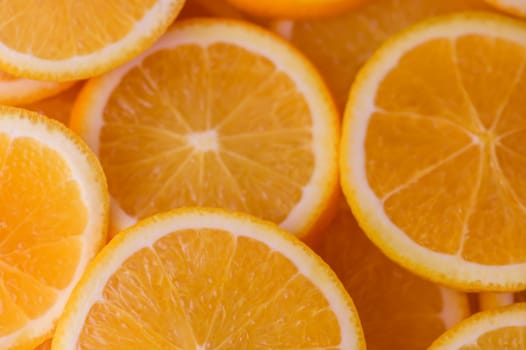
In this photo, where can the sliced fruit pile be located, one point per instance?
(171, 174)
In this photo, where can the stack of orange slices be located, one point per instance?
(237, 174)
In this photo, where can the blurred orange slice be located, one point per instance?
(208, 279)
(398, 310)
(54, 213)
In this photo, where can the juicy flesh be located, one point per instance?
(57, 107)
(79, 27)
(340, 45)
(207, 289)
(450, 118)
(216, 126)
(42, 215)
(510, 338)
(397, 309)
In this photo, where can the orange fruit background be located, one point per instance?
(344, 174)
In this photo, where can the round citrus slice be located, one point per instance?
(502, 328)
(339, 45)
(432, 157)
(514, 7)
(397, 309)
(218, 113)
(17, 91)
(57, 107)
(86, 38)
(54, 210)
(208, 279)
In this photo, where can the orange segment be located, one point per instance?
(503, 328)
(86, 38)
(15, 318)
(200, 278)
(51, 263)
(57, 107)
(340, 45)
(428, 163)
(436, 206)
(435, 77)
(219, 113)
(398, 310)
(54, 215)
(422, 150)
(30, 297)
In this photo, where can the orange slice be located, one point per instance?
(515, 7)
(57, 107)
(17, 91)
(397, 309)
(432, 152)
(218, 113)
(208, 279)
(295, 8)
(54, 210)
(86, 38)
(503, 328)
(340, 45)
